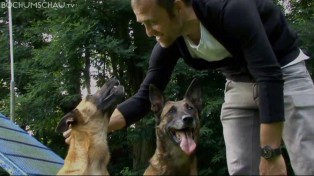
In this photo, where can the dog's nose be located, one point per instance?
(187, 119)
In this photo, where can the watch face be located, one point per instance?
(267, 152)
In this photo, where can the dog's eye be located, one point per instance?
(172, 110)
(188, 107)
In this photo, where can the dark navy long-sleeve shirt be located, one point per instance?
(254, 32)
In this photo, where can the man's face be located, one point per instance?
(157, 21)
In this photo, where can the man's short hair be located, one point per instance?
(169, 5)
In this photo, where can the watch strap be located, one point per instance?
(268, 152)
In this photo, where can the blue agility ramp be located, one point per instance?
(22, 154)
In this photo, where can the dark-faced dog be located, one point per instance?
(177, 132)
(88, 152)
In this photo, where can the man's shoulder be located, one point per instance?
(218, 6)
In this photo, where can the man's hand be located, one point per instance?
(274, 166)
(271, 135)
(67, 135)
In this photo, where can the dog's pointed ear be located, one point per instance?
(66, 121)
(194, 94)
(156, 98)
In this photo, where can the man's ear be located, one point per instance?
(67, 120)
(194, 94)
(156, 98)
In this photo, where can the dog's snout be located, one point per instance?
(187, 119)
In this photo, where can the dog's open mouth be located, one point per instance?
(185, 139)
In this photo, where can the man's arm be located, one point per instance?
(270, 134)
(161, 64)
(116, 121)
(265, 68)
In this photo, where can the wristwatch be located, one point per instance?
(269, 153)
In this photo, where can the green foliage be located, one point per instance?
(127, 171)
(3, 172)
(302, 20)
(58, 52)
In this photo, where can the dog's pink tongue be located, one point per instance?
(187, 143)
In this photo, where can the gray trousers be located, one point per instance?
(241, 123)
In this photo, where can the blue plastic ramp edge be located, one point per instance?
(22, 154)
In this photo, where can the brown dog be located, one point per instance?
(177, 132)
(88, 153)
